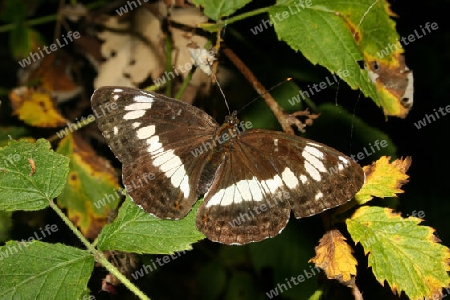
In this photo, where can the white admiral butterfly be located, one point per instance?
(251, 179)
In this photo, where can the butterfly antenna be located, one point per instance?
(220, 88)
(266, 92)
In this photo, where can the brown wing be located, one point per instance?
(163, 145)
(266, 174)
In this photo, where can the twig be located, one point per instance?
(286, 120)
(356, 292)
(98, 255)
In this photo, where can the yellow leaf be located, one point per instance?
(91, 191)
(393, 81)
(334, 256)
(383, 179)
(401, 252)
(35, 108)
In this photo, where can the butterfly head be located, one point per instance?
(232, 119)
(232, 128)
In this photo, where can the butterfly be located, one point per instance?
(172, 153)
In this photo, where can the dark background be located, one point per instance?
(213, 271)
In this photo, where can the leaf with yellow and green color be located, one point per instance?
(136, 231)
(401, 252)
(383, 179)
(394, 83)
(335, 257)
(91, 190)
(323, 36)
(35, 107)
(31, 175)
(339, 35)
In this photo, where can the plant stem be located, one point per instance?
(185, 83)
(98, 255)
(168, 44)
(189, 75)
(220, 23)
(45, 19)
(248, 14)
(42, 20)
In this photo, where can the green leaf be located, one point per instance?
(401, 252)
(39, 270)
(19, 42)
(20, 188)
(324, 38)
(369, 22)
(215, 9)
(24, 40)
(339, 35)
(90, 193)
(136, 231)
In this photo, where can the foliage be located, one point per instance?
(341, 37)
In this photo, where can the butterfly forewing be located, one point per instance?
(317, 177)
(283, 173)
(153, 137)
